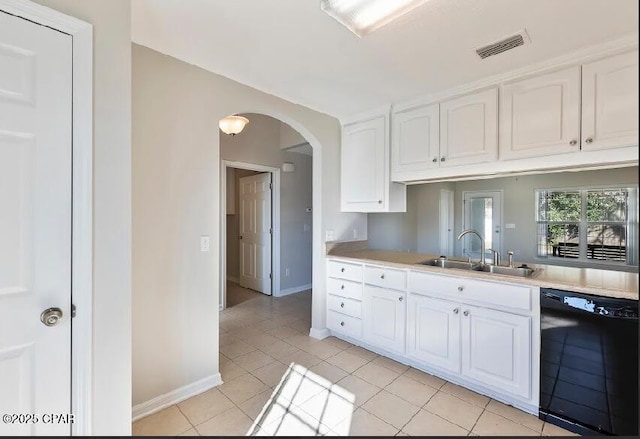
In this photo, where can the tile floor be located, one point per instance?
(278, 381)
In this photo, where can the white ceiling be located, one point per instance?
(291, 49)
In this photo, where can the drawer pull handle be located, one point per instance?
(342, 305)
(341, 323)
(342, 287)
(456, 310)
(382, 276)
(400, 298)
(342, 270)
(460, 288)
(466, 313)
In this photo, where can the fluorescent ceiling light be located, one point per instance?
(364, 16)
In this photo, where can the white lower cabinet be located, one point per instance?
(496, 349)
(475, 333)
(384, 316)
(434, 332)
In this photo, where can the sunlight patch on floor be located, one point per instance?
(305, 404)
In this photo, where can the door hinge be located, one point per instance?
(73, 310)
(270, 185)
(270, 230)
(270, 276)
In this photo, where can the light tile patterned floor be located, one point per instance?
(278, 381)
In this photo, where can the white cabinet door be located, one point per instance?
(540, 115)
(610, 102)
(416, 139)
(384, 318)
(496, 349)
(363, 166)
(469, 128)
(434, 332)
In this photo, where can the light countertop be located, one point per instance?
(608, 283)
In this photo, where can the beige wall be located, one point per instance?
(176, 172)
(112, 208)
(419, 228)
(289, 137)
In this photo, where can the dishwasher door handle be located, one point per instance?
(551, 296)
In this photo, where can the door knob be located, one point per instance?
(589, 140)
(574, 142)
(456, 310)
(240, 237)
(466, 313)
(442, 159)
(435, 160)
(400, 299)
(51, 316)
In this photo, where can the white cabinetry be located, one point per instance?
(496, 349)
(366, 184)
(610, 102)
(434, 332)
(540, 115)
(415, 145)
(384, 318)
(469, 128)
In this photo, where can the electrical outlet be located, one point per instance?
(287, 272)
(509, 226)
(330, 235)
(204, 244)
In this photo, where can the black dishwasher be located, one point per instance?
(589, 363)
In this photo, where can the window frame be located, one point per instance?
(630, 225)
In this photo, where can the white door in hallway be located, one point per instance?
(255, 232)
(35, 225)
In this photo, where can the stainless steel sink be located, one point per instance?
(449, 263)
(522, 271)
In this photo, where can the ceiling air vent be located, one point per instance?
(503, 45)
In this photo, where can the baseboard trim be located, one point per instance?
(294, 290)
(319, 334)
(175, 396)
(233, 279)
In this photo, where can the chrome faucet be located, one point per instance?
(482, 249)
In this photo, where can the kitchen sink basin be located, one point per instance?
(449, 263)
(522, 271)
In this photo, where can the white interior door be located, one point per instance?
(255, 232)
(482, 212)
(35, 224)
(446, 222)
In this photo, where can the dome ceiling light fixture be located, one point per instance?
(364, 16)
(233, 124)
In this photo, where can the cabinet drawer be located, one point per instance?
(465, 289)
(345, 270)
(344, 288)
(344, 324)
(385, 277)
(342, 305)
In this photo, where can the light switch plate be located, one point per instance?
(204, 244)
(330, 235)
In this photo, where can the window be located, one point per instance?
(588, 225)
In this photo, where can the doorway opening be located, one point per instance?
(482, 212)
(266, 213)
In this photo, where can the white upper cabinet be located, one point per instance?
(610, 102)
(469, 128)
(366, 184)
(415, 144)
(540, 115)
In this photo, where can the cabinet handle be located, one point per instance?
(456, 310)
(400, 298)
(435, 160)
(382, 276)
(442, 159)
(379, 201)
(342, 270)
(574, 142)
(466, 313)
(460, 288)
(341, 323)
(342, 305)
(342, 287)
(589, 140)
